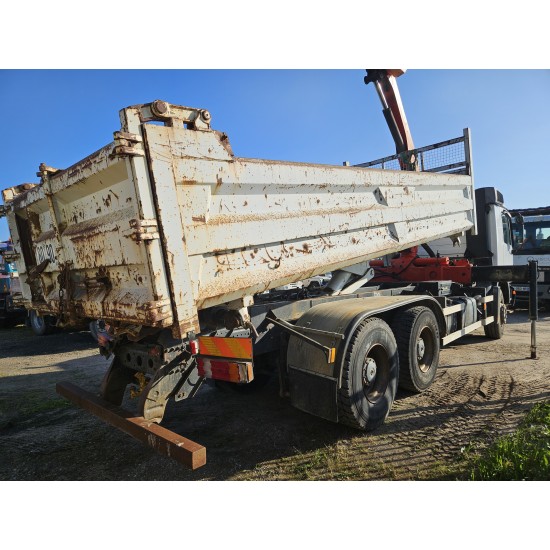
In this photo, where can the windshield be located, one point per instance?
(532, 236)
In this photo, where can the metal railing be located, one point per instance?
(452, 156)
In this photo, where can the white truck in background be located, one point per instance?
(531, 227)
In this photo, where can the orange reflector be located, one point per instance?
(220, 369)
(236, 348)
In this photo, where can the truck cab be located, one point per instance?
(531, 228)
(493, 244)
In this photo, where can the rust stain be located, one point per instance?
(95, 225)
(45, 236)
(34, 220)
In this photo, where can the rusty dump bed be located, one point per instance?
(166, 221)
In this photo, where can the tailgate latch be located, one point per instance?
(143, 230)
(127, 144)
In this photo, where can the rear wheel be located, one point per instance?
(496, 329)
(369, 377)
(94, 329)
(417, 335)
(41, 325)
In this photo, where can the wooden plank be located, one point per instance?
(163, 441)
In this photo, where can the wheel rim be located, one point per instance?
(503, 314)
(376, 369)
(38, 322)
(425, 348)
(420, 349)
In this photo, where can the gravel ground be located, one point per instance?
(482, 390)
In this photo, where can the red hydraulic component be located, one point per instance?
(409, 267)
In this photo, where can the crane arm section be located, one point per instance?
(384, 80)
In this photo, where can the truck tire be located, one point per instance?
(41, 325)
(496, 329)
(417, 335)
(94, 329)
(369, 376)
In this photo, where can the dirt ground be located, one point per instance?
(482, 389)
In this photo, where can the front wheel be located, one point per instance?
(369, 377)
(496, 329)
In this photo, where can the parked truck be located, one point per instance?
(172, 240)
(11, 311)
(531, 228)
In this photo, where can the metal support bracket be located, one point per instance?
(178, 379)
(330, 353)
(172, 115)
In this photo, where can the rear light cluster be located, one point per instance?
(223, 369)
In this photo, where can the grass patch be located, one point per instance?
(46, 405)
(14, 412)
(523, 455)
(327, 463)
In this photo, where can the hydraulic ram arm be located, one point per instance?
(394, 112)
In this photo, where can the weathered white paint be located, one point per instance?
(227, 227)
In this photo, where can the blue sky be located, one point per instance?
(323, 116)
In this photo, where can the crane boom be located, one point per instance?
(384, 81)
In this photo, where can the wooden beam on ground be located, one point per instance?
(163, 441)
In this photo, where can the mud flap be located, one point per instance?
(313, 393)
